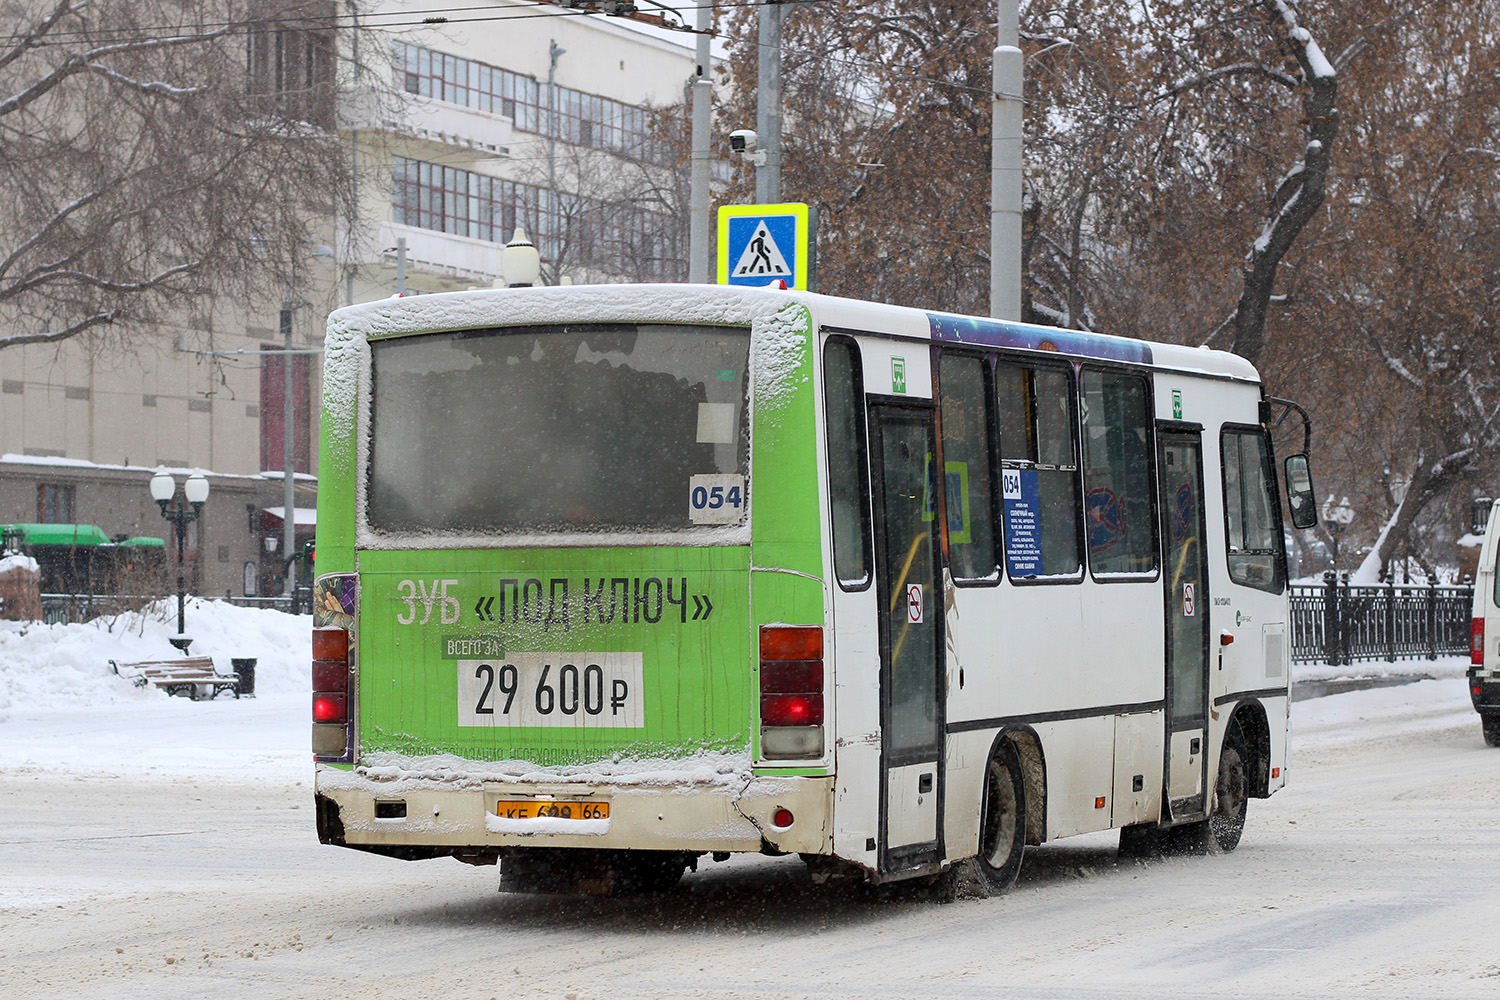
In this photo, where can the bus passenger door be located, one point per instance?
(1180, 457)
(909, 607)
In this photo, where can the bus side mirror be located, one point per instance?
(1299, 492)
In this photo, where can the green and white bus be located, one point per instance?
(616, 577)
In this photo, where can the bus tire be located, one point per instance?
(1231, 791)
(1490, 723)
(1002, 821)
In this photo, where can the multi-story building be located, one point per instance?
(504, 115)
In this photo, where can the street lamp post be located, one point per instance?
(163, 488)
(1337, 516)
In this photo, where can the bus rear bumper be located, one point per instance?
(427, 818)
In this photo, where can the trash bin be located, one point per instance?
(245, 667)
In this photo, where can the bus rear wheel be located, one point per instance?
(1490, 723)
(1002, 826)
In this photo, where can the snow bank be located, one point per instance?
(25, 563)
(62, 666)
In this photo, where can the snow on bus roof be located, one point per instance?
(735, 305)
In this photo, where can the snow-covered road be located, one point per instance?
(165, 848)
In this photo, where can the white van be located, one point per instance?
(1484, 659)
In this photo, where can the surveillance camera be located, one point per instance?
(742, 140)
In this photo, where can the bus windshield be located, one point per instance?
(564, 428)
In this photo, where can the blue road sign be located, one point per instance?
(764, 244)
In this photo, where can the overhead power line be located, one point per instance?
(383, 19)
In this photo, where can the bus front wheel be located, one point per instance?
(1002, 829)
(1231, 791)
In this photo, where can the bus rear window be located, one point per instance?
(576, 428)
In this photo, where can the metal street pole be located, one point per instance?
(699, 216)
(179, 520)
(768, 104)
(1005, 166)
(288, 460)
(555, 52)
(195, 492)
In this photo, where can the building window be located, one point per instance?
(54, 503)
(290, 55)
(461, 202)
(623, 239)
(578, 118)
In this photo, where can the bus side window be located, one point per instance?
(1252, 517)
(968, 483)
(1118, 498)
(847, 492)
(1039, 472)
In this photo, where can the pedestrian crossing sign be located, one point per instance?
(762, 245)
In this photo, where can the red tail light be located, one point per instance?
(330, 644)
(791, 642)
(1476, 642)
(330, 676)
(330, 693)
(330, 708)
(791, 691)
(791, 710)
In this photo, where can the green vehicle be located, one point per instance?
(614, 578)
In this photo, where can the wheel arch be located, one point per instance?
(1251, 717)
(1028, 747)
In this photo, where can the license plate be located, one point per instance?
(549, 809)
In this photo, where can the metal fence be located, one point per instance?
(1334, 621)
(1339, 623)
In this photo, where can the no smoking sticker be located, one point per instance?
(914, 603)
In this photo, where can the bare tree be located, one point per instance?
(159, 151)
(1155, 131)
(1394, 336)
(614, 215)
(887, 133)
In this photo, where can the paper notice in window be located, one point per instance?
(716, 423)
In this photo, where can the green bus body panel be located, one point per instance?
(699, 667)
(337, 452)
(784, 472)
(697, 661)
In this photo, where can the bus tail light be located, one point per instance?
(791, 692)
(330, 694)
(1476, 642)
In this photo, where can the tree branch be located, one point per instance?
(1301, 192)
(98, 319)
(84, 62)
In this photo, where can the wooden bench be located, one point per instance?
(193, 676)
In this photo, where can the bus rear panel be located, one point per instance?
(554, 633)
